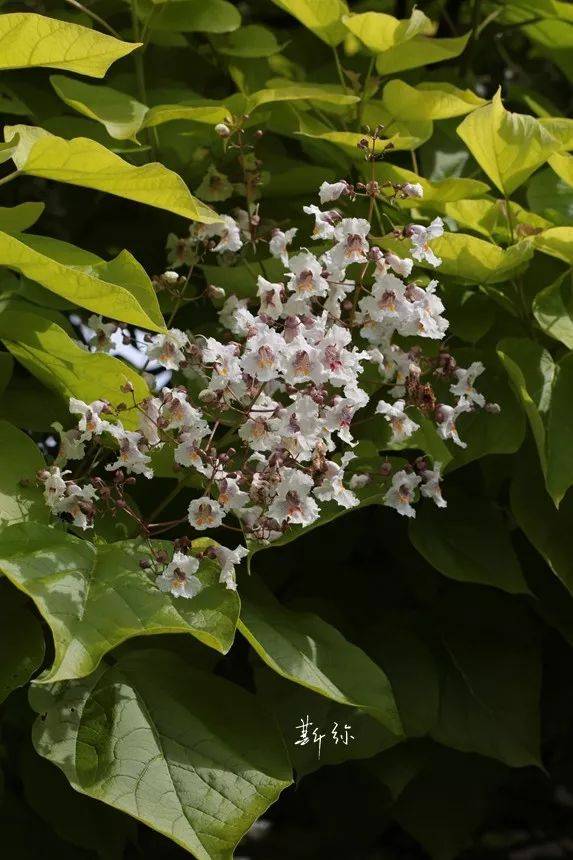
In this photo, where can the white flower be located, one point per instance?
(77, 503)
(352, 245)
(341, 365)
(103, 336)
(401, 265)
(228, 558)
(330, 191)
(178, 577)
(300, 427)
(130, 457)
(226, 365)
(260, 428)
(305, 276)
(446, 416)
(71, 445)
(178, 414)
(292, 502)
(431, 487)
(263, 355)
(402, 426)
(324, 222)
(231, 497)
(235, 316)
(420, 236)
(228, 232)
(90, 424)
(270, 298)
(279, 243)
(149, 420)
(413, 189)
(168, 349)
(54, 486)
(205, 513)
(401, 493)
(332, 489)
(301, 362)
(464, 387)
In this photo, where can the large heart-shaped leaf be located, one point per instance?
(429, 100)
(85, 162)
(189, 754)
(28, 40)
(21, 641)
(322, 17)
(305, 649)
(120, 114)
(20, 459)
(95, 597)
(379, 32)
(508, 147)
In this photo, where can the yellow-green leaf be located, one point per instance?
(89, 164)
(121, 114)
(59, 363)
(20, 459)
(489, 217)
(206, 114)
(119, 289)
(557, 242)
(509, 147)
(14, 219)
(553, 309)
(436, 194)
(419, 51)
(322, 17)
(428, 101)
(562, 164)
(298, 92)
(28, 40)
(380, 32)
(561, 128)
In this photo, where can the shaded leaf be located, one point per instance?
(21, 640)
(20, 459)
(120, 114)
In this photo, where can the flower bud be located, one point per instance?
(223, 130)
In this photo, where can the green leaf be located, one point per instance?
(84, 162)
(419, 51)
(380, 32)
(120, 114)
(550, 196)
(559, 430)
(20, 459)
(508, 147)
(207, 114)
(95, 597)
(15, 219)
(557, 242)
(298, 92)
(452, 541)
(553, 309)
(428, 101)
(28, 40)
(305, 649)
(436, 194)
(21, 640)
(59, 363)
(7, 150)
(191, 16)
(189, 754)
(119, 289)
(322, 17)
(471, 259)
(6, 370)
(547, 528)
(248, 42)
(489, 217)
(531, 372)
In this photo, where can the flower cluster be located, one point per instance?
(269, 439)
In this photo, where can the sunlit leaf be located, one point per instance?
(323, 17)
(419, 51)
(380, 32)
(14, 219)
(120, 114)
(428, 101)
(557, 242)
(20, 459)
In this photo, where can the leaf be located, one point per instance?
(305, 649)
(436, 194)
(322, 17)
(21, 640)
(550, 196)
(28, 40)
(207, 114)
(15, 219)
(191, 16)
(553, 309)
(120, 114)
(96, 597)
(7, 150)
(419, 51)
(6, 370)
(59, 363)
(20, 459)
(428, 101)
(562, 164)
(298, 92)
(119, 289)
(546, 528)
(531, 372)
(452, 541)
(471, 259)
(508, 147)
(189, 754)
(248, 42)
(380, 32)
(557, 242)
(489, 217)
(84, 162)
(559, 429)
